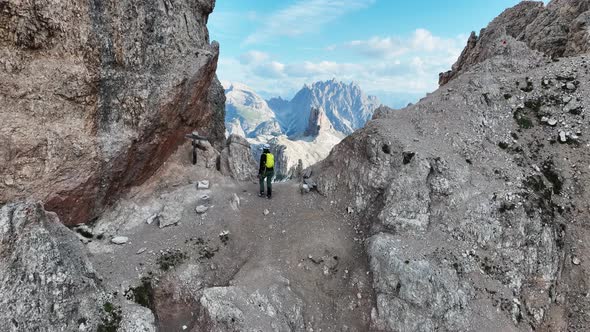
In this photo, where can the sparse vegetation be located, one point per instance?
(170, 260)
(523, 121)
(506, 207)
(111, 318)
(142, 294)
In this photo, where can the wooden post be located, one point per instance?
(196, 138)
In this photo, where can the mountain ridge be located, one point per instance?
(346, 106)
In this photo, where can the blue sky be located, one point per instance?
(392, 49)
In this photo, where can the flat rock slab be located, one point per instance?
(119, 240)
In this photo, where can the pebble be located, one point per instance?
(141, 251)
(305, 188)
(570, 86)
(552, 122)
(562, 137)
(576, 260)
(203, 184)
(266, 212)
(151, 219)
(119, 240)
(201, 209)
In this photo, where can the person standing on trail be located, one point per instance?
(266, 171)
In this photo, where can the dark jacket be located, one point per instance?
(263, 163)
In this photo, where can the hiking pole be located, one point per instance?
(196, 139)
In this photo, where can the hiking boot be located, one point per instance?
(268, 196)
(261, 194)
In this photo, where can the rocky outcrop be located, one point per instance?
(95, 101)
(579, 35)
(558, 29)
(474, 197)
(381, 112)
(273, 308)
(318, 121)
(47, 282)
(236, 159)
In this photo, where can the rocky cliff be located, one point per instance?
(558, 29)
(96, 95)
(475, 198)
(318, 122)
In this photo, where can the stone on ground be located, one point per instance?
(120, 240)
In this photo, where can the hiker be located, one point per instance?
(266, 171)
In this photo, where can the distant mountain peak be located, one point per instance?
(318, 122)
(345, 105)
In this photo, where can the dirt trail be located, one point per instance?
(303, 238)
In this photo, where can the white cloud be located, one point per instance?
(253, 57)
(421, 40)
(389, 67)
(272, 69)
(302, 17)
(378, 47)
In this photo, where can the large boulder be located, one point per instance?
(96, 96)
(46, 280)
(273, 307)
(236, 159)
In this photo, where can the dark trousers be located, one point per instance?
(268, 174)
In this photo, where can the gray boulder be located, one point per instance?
(236, 159)
(137, 318)
(272, 308)
(46, 280)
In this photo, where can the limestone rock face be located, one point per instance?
(46, 280)
(474, 208)
(96, 96)
(236, 159)
(558, 29)
(318, 121)
(579, 35)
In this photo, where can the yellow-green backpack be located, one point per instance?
(270, 161)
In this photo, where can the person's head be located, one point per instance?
(265, 148)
